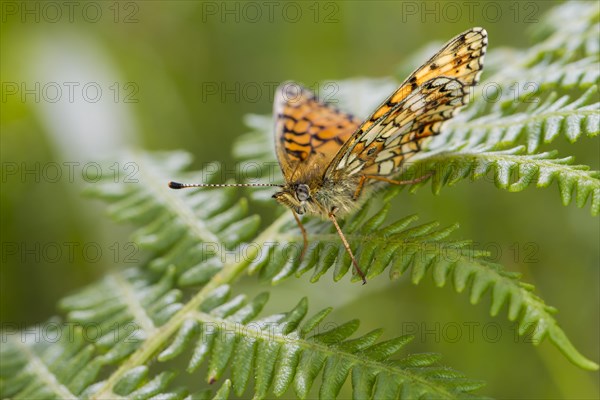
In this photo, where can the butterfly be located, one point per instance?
(331, 160)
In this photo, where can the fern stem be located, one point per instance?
(154, 343)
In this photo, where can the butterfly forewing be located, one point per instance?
(308, 133)
(414, 112)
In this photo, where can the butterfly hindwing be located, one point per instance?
(430, 96)
(308, 132)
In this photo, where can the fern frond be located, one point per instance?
(514, 170)
(56, 360)
(424, 248)
(420, 248)
(280, 351)
(290, 353)
(541, 123)
(400, 248)
(514, 83)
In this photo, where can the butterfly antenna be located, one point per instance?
(177, 185)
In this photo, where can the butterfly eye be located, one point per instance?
(302, 192)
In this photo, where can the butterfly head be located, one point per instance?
(295, 196)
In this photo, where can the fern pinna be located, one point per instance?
(127, 335)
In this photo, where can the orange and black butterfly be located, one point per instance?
(330, 160)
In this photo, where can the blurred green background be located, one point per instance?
(182, 74)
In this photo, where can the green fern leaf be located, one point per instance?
(279, 350)
(541, 123)
(419, 249)
(514, 170)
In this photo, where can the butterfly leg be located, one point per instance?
(364, 178)
(346, 245)
(304, 235)
(395, 182)
(359, 187)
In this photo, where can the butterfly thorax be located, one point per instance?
(319, 198)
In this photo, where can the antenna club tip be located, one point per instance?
(176, 185)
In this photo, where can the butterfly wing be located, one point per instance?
(308, 133)
(414, 112)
